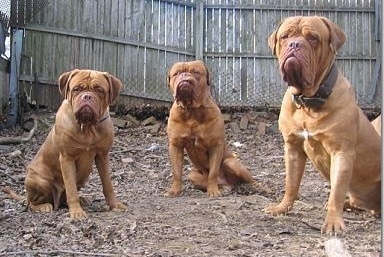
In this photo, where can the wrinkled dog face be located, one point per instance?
(188, 80)
(305, 47)
(89, 92)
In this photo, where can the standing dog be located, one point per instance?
(83, 132)
(321, 120)
(195, 124)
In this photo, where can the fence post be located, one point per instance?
(16, 47)
(199, 29)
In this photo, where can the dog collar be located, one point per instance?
(325, 90)
(104, 118)
(100, 121)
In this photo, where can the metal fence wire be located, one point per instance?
(23, 11)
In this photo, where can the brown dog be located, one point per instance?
(320, 120)
(83, 132)
(195, 124)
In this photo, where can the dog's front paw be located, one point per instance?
(213, 191)
(333, 225)
(77, 213)
(118, 206)
(280, 209)
(175, 190)
(44, 207)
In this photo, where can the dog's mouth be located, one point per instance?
(185, 92)
(86, 115)
(86, 109)
(295, 70)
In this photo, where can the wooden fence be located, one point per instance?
(138, 41)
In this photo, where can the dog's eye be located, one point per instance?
(284, 36)
(311, 38)
(76, 89)
(177, 73)
(99, 90)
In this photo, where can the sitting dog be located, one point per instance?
(83, 132)
(195, 124)
(321, 120)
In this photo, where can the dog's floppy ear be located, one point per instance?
(115, 86)
(169, 74)
(272, 40)
(64, 82)
(207, 71)
(208, 76)
(169, 77)
(337, 37)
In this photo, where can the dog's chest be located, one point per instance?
(189, 141)
(305, 135)
(192, 141)
(83, 144)
(314, 148)
(193, 138)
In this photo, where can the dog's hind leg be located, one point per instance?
(370, 202)
(199, 179)
(39, 199)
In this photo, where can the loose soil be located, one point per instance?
(189, 225)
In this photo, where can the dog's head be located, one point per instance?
(89, 92)
(189, 82)
(306, 48)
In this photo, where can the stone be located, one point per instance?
(274, 128)
(261, 128)
(120, 123)
(244, 122)
(235, 127)
(227, 117)
(153, 129)
(135, 123)
(149, 121)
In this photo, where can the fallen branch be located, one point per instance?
(18, 140)
(334, 247)
(55, 252)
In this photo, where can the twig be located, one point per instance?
(8, 176)
(125, 149)
(358, 221)
(305, 204)
(310, 226)
(270, 157)
(17, 140)
(54, 252)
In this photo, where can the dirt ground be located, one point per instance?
(189, 225)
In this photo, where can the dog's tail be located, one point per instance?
(12, 194)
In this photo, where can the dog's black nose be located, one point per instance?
(294, 45)
(86, 97)
(183, 74)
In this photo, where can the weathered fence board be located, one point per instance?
(138, 41)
